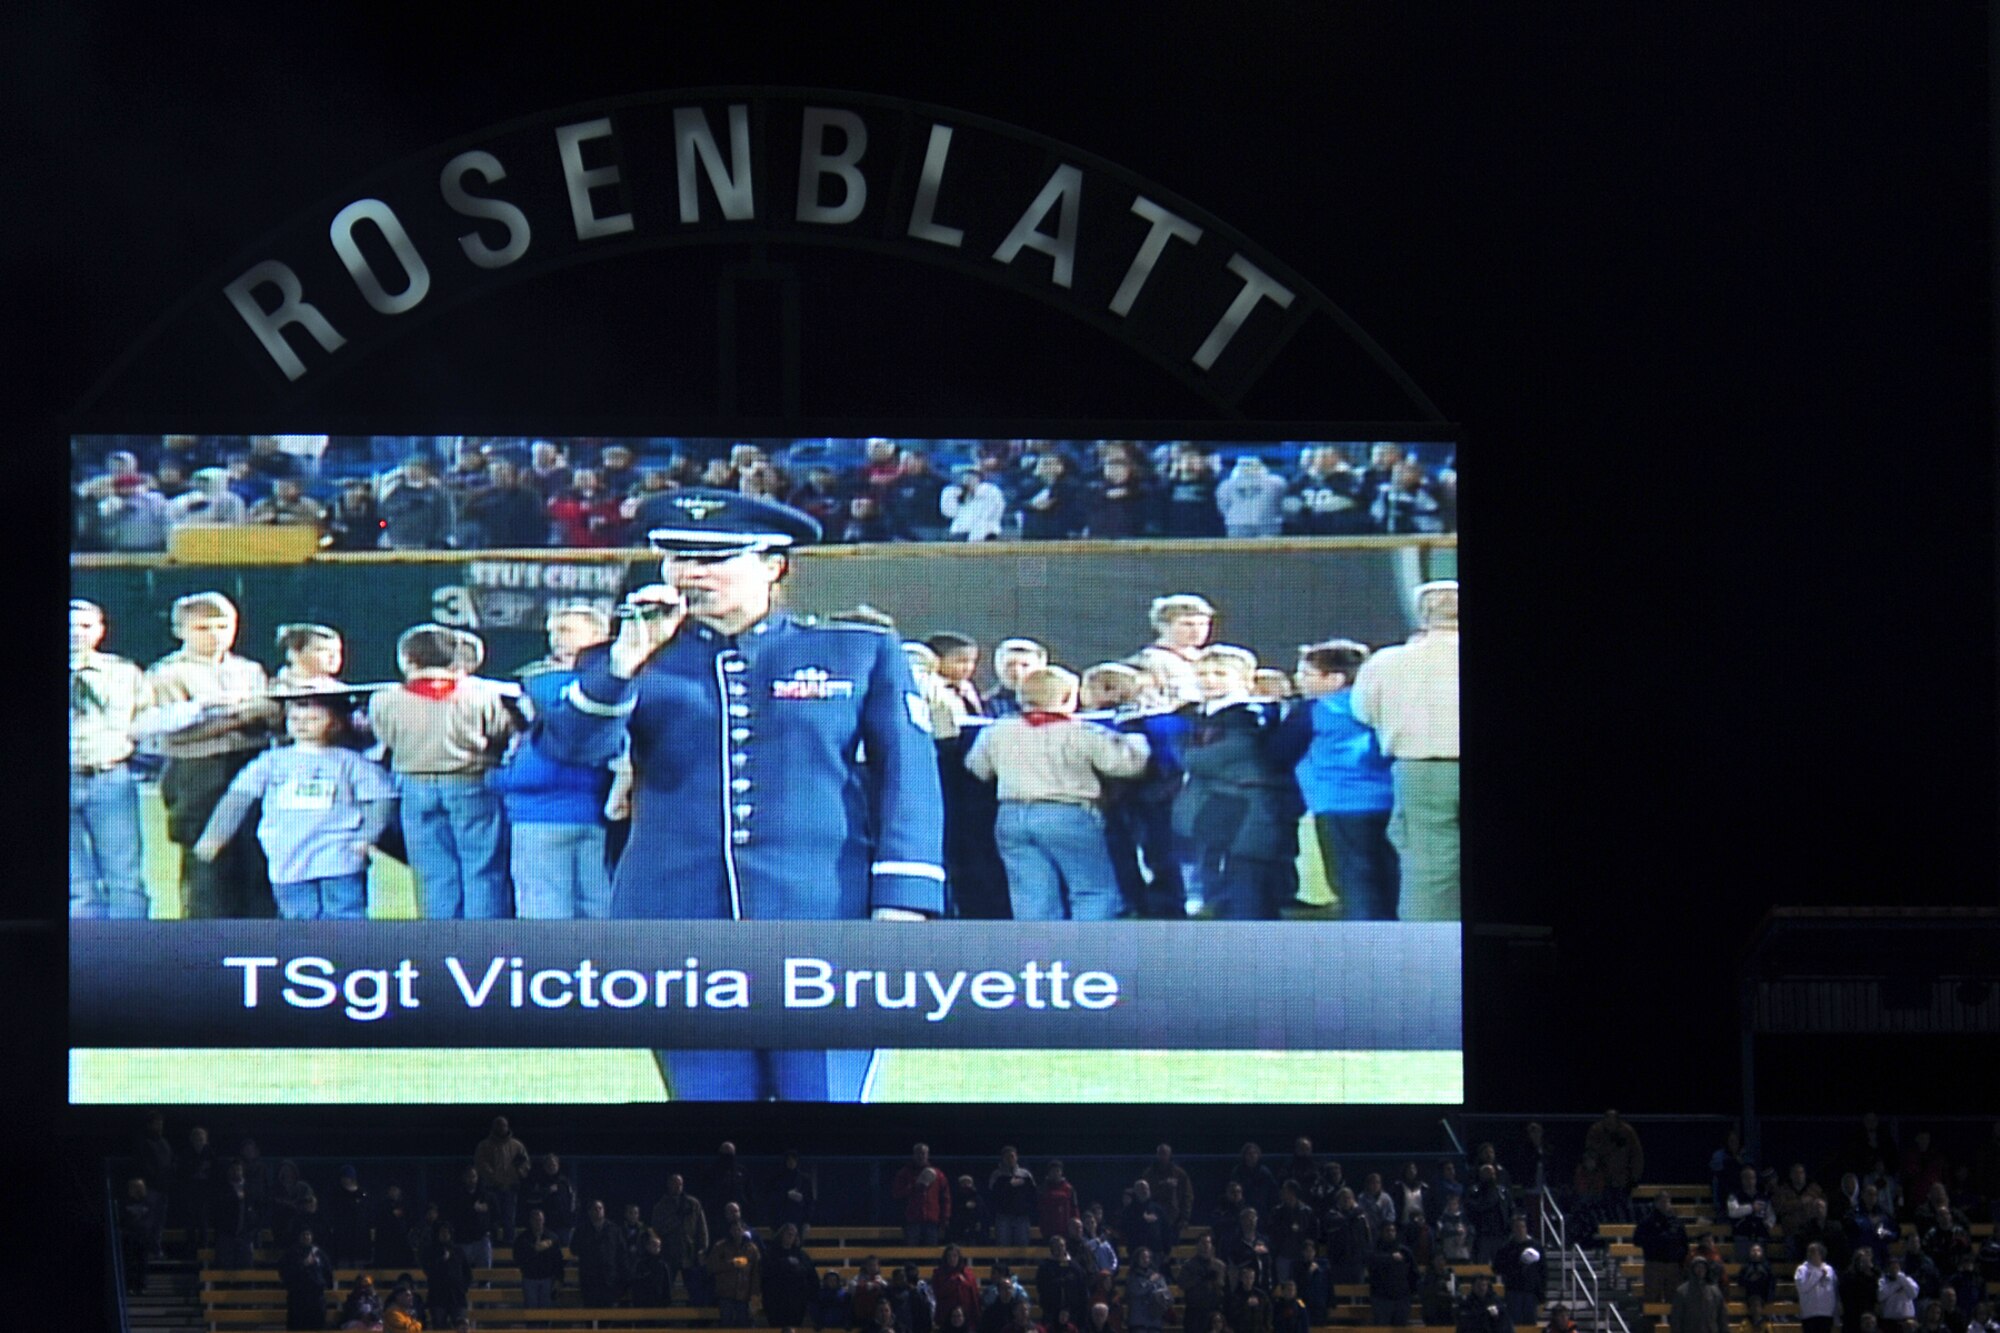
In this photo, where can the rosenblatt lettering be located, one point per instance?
(709, 168)
(367, 994)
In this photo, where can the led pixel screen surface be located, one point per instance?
(441, 769)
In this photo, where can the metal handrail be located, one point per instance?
(117, 1293)
(1560, 1243)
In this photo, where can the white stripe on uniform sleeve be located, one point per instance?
(916, 868)
(583, 703)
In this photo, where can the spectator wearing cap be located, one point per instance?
(1409, 695)
(416, 510)
(443, 730)
(745, 724)
(1251, 499)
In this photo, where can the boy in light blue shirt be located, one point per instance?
(324, 806)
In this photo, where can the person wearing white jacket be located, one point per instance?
(1896, 1298)
(975, 507)
(1817, 1286)
(1252, 499)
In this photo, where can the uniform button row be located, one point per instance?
(739, 733)
(739, 759)
(739, 710)
(740, 836)
(740, 785)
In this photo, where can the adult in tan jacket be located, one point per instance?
(732, 1267)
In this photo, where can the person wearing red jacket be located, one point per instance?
(588, 513)
(926, 1197)
(955, 1286)
(1058, 1203)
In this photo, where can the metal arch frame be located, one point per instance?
(1310, 299)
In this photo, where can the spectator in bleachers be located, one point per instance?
(683, 1228)
(1061, 1283)
(1204, 1282)
(1384, 457)
(1323, 499)
(1481, 1310)
(288, 505)
(502, 1163)
(1451, 1233)
(211, 501)
(268, 459)
(820, 495)
(1121, 502)
(1188, 506)
(954, 1286)
(1966, 1283)
(916, 499)
(1818, 1229)
(1348, 1232)
(650, 1285)
(363, 1307)
(1174, 1189)
(194, 1185)
(1895, 1297)
(548, 470)
(502, 512)
(1314, 1277)
(1293, 1225)
(793, 1193)
(1392, 1279)
(308, 1277)
(1698, 1305)
(1437, 1293)
(415, 510)
(244, 481)
(1243, 1242)
(729, 1182)
(139, 1223)
(1251, 499)
(587, 514)
(865, 521)
(1869, 1143)
(618, 468)
(1148, 1301)
(1248, 1306)
(831, 1308)
(547, 1188)
(789, 1279)
(1858, 1289)
(599, 1249)
(1789, 1199)
(1488, 1205)
(1749, 1209)
(468, 470)
(538, 1253)
(347, 1213)
(237, 1219)
(911, 1306)
(171, 480)
(1944, 1241)
(354, 523)
(925, 1195)
(971, 1216)
(1923, 1166)
(1888, 1190)
(1872, 1226)
(1143, 1223)
(1260, 1187)
(393, 1219)
(1521, 1271)
(1818, 1290)
(132, 518)
(447, 1275)
(402, 1315)
(1052, 504)
(1662, 1239)
(470, 1209)
(1408, 504)
(1757, 1278)
(1056, 1207)
(974, 505)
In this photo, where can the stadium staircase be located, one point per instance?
(171, 1302)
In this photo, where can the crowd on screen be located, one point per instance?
(431, 493)
(1886, 1244)
(1181, 792)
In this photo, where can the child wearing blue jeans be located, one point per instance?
(324, 806)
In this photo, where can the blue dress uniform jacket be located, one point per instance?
(786, 773)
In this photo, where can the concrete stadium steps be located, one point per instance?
(171, 1302)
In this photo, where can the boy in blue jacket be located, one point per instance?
(1345, 779)
(556, 810)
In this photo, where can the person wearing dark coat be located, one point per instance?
(1061, 1285)
(1349, 1236)
(793, 1195)
(731, 1183)
(234, 1215)
(194, 1187)
(1233, 811)
(138, 1219)
(539, 1255)
(447, 1276)
(394, 1217)
(345, 1215)
(651, 1285)
(1518, 1263)
(1202, 1280)
(1248, 1305)
(1260, 1187)
(1392, 1280)
(1481, 1310)
(308, 1276)
(599, 1246)
(789, 1279)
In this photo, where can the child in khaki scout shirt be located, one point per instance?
(1050, 767)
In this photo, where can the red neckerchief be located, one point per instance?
(432, 687)
(1039, 719)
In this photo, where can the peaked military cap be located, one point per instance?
(699, 521)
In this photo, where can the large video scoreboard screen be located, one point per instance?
(564, 769)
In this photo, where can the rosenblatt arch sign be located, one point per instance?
(736, 167)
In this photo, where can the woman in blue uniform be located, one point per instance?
(784, 768)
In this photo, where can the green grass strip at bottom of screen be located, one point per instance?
(240, 1076)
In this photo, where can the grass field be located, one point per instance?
(488, 1075)
(522, 1076)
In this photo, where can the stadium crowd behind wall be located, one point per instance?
(1087, 600)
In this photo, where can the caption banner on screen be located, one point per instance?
(687, 984)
